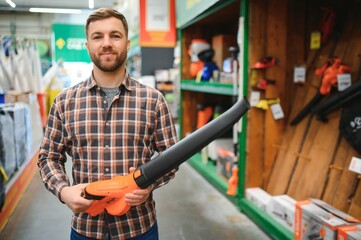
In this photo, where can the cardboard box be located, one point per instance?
(258, 197)
(349, 232)
(334, 211)
(220, 45)
(282, 208)
(315, 222)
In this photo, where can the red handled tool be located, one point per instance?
(109, 194)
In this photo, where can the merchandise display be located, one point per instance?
(297, 61)
(328, 72)
(197, 46)
(317, 219)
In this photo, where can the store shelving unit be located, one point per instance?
(193, 92)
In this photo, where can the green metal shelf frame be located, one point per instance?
(265, 221)
(209, 171)
(207, 87)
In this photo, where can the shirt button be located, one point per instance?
(105, 101)
(98, 88)
(106, 146)
(107, 169)
(107, 124)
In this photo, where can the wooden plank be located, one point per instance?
(310, 174)
(355, 208)
(335, 172)
(255, 132)
(347, 185)
(189, 106)
(276, 47)
(321, 140)
(338, 180)
(293, 137)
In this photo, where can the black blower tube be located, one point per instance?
(180, 152)
(338, 99)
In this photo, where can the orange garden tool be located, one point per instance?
(204, 115)
(265, 62)
(109, 194)
(329, 72)
(233, 182)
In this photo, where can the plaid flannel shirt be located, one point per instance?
(104, 143)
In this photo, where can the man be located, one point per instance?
(109, 124)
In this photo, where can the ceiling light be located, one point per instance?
(54, 10)
(11, 3)
(91, 4)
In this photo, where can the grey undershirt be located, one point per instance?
(111, 93)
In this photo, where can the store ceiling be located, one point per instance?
(24, 5)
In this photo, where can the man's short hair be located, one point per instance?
(103, 13)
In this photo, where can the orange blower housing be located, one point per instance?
(109, 194)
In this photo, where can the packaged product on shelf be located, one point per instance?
(7, 144)
(18, 114)
(258, 197)
(316, 219)
(349, 232)
(282, 208)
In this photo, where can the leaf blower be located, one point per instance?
(109, 194)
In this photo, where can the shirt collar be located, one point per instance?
(128, 82)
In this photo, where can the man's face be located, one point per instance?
(107, 44)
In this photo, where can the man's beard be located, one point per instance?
(119, 60)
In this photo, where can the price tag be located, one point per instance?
(277, 111)
(299, 74)
(255, 97)
(315, 40)
(343, 81)
(355, 165)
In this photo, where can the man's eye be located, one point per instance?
(96, 37)
(116, 37)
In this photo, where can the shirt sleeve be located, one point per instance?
(52, 157)
(165, 136)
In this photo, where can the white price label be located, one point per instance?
(355, 165)
(277, 111)
(343, 81)
(299, 74)
(255, 97)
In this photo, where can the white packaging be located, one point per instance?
(282, 209)
(258, 197)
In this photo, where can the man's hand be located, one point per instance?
(71, 196)
(138, 196)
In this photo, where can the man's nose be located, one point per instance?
(106, 41)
